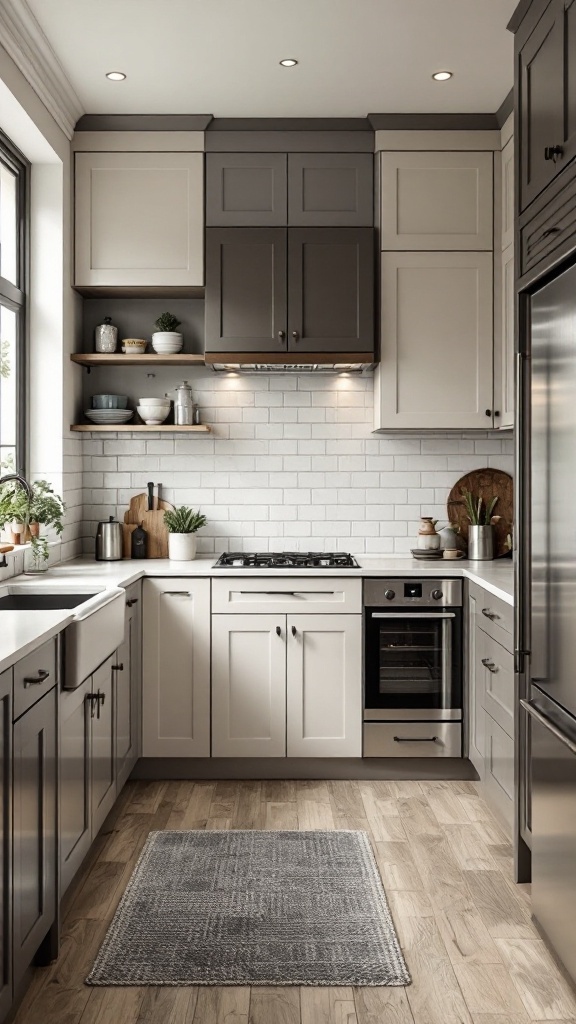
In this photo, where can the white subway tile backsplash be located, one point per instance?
(291, 463)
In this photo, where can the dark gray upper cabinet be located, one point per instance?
(246, 290)
(246, 189)
(547, 91)
(331, 290)
(34, 846)
(5, 842)
(330, 189)
(279, 189)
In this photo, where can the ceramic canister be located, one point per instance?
(106, 336)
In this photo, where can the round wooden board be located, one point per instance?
(485, 483)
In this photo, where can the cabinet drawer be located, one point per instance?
(499, 776)
(34, 676)
(496, 618)
(297, 593)
(499, 683)
(412, 739)
(551, 233)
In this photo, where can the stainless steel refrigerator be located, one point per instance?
(547, 612)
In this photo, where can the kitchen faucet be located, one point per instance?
(26, 487)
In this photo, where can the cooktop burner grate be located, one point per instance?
(287, 560)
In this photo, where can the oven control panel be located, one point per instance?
(407, 592)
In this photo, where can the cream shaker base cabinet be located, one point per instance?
(324, 686)
(139, 220)
(436, 200)
(176, 668)
(249, 685)
(436, 363)
(74, 762)
(103, 753)
(286, 685)
(129, 688)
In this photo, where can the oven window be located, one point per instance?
(410, 663)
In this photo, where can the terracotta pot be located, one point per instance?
(34, 529)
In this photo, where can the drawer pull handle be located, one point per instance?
(490, 615)
(278, 631)
(131, 601)
(553, 152)
(118, 668)
(415, 739)
(36, 680)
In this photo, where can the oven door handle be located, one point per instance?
(412, 615)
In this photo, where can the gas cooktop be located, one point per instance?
(287, 560)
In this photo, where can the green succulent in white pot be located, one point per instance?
(167, 339)
(182, 525)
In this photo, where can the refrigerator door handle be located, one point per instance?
(542, 720)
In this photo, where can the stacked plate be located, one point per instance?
(108, 416)
(426, 555)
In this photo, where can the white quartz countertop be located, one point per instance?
(21, 632)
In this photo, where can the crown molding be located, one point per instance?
(25, 42)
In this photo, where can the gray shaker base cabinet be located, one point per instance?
(5, 842)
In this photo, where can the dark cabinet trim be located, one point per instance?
(289, 142)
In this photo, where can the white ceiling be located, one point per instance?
(221, 56)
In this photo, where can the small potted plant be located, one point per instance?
(45, 509)
(13, 512)
(481, 528)
(167, 339)
(182, 524)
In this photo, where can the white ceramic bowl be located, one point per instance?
(152, 414)
(154, 401)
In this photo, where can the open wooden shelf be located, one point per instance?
(147, 359)
(169, 428)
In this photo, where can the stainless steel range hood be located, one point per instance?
(318, 368)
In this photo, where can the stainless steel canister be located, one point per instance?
(183, 405)
(480, 543)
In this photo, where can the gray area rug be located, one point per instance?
(253, 908)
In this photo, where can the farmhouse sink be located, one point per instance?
(95, 632)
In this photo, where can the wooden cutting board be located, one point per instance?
(485, 483)
(152, 522)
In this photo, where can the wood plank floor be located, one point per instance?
(474, 955)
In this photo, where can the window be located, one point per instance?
(13, 217)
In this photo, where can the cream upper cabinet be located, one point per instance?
(176, 668)
(507, 169)
(324, 686)
(249, 685)
(436, 368)
(139, 219)
(436, 201)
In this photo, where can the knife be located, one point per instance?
(150, 497)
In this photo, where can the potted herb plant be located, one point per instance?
(25, 517)
(167, 339)
(481, 528)
(182, 524)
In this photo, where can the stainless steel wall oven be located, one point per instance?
(412, 668)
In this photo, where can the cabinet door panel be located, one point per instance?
(75, 821)
(330, 189)
(324, 686)
(499, 684)
(331, 290)
(437, 341)
(103, 759)
(541, 103)
(246, 290)
(5, 842)
(436, 200)
(176, 671)
(129, 688)
(504, 401)
(499, 778)
(476, 677)
(507, 164)
(246, 189)
(34, 873)
(248, 686)
(139, 219)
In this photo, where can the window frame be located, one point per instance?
(15, 297)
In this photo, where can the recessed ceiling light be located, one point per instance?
(288, 62)
(442, 76)
(115, 76)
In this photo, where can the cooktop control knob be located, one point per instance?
(437, 595)
(389, 595)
